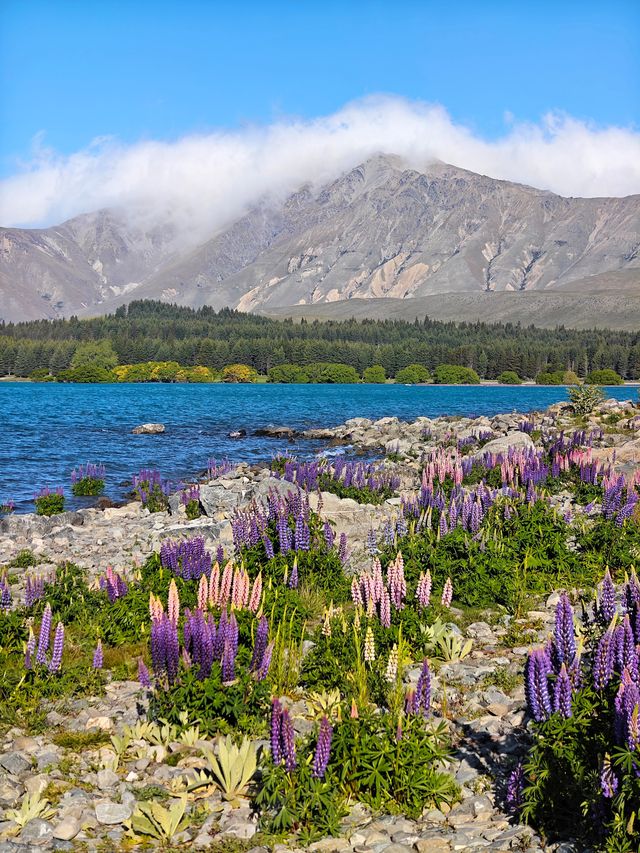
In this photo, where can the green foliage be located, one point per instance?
(192, 509)
(603, 377)
(413, 374)
(454, 374)
(375, 374)
(239, 373)
(550, 378)
(152, 820)
(332, 373)
(98, 354)
(86, 373)
(145, 331)
(509, 377)
(24, 559)
(51, 504)
(585, 398)
(233, 768)
(288, 373)
(88, 486)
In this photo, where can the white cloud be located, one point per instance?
(203, 182)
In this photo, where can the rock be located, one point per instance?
(15, 763)
(276, 432)
(107, 779)
(109, 813)
(36, 784)
(148, 429)
(67, 829)
(501, 445)
(36, 830)
(237, 433)
(103, 723)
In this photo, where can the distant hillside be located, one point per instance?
(380, 231)
(608, 300)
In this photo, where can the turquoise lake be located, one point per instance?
(48, 428)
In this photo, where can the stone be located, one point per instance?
(148, 429)
(105, 724)
(515, 439)
(36, 784)
(107, 779)
(67, 829)
(36, 830)
(109, 813)
(14, 763)
(432, 845)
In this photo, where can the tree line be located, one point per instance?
(151, 331)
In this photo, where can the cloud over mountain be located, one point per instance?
(201, 183)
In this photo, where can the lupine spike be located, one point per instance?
(45, 635)
(203, 593)
(58, 647)
(447, 593)
(214, 585)
(256, 594)
(173, 603)
(323, 749)
(98, 656)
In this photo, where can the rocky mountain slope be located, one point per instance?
(381, 230)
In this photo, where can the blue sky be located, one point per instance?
(136, 70)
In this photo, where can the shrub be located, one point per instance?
(49, 502)
(287, 373)
(375, 375)
(240, 373)
(509, 377)
(604, 377)
(88, 480)
(585, 398)
(94, 354)
(546, 378)
(413, 374)
(581, 774)
(338, 374)
(454, 374)
(86, 373)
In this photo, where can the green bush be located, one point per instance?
(413, 374)
(585, 398)
(509, 377)
(546, 378)
(86, 373)
(454, 374)
(49, 503)
(604, 377)
(332, 373)
(287, 373)
(374, 375)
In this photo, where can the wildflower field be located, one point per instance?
(292, 678)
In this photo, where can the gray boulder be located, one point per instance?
(148, 429)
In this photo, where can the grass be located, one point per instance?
(81, 740)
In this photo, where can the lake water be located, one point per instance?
(47, 428)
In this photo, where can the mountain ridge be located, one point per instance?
(379, 231)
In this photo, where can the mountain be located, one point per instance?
(380, 231)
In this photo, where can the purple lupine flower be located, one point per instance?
(172, 649)
(219, 555)
(228, 663)
(422, 698)
(5, 594)
(45, 636)
(98, 656)
(268, 546)
(276, 745)
(604, 660)
(564, 638)
(302, 536)
(293, 577)
(627, 713)
(323, 749)
(608, 778)
(562, 693)
(372, 542)
(58, 647)
(263, 670)
(607, 607)
(260, 644)
(143, 674)
(537, 684)
(342, 548)
(515, 789)
(31, 647)
(329, 535)
(287, 736)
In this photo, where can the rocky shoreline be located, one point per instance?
(481, 696)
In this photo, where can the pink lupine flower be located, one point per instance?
(423, 590)
(173, 603)
(214, 586)
(203, 593)
(447, 593)
(256, 594)
(225, 584)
